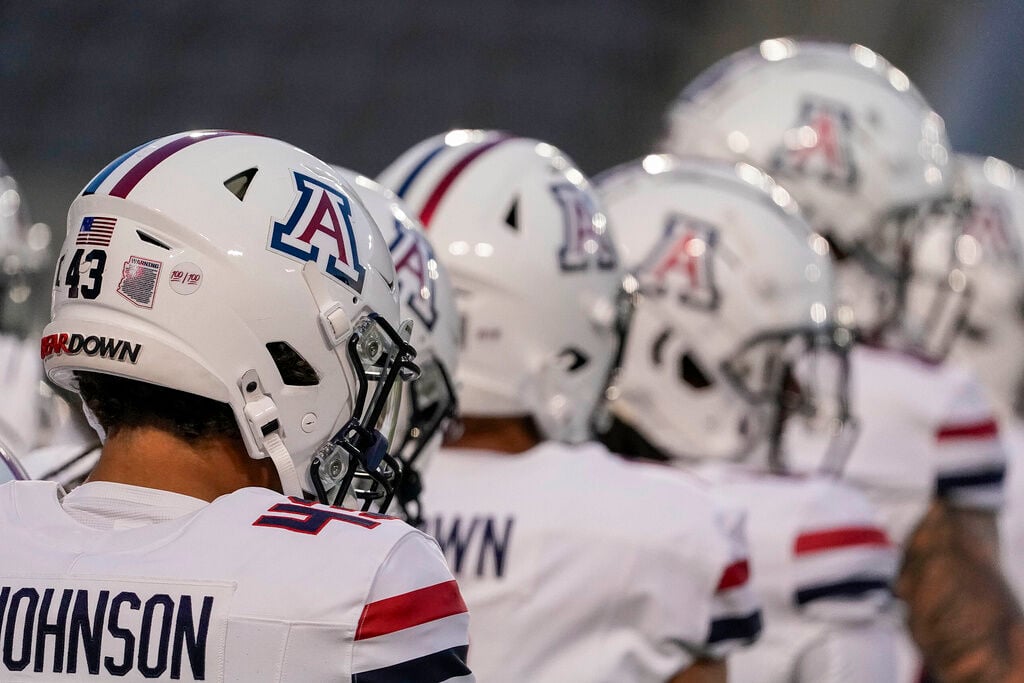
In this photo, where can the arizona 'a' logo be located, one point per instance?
(319, 229)
(587, 241)
(989, 223)
(818, 145)
(414, 263)
(681, 263)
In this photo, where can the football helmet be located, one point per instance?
(733, 327)
(848, 135)
(534, 270)
(429, 403)
(241, 269)
(992, 245)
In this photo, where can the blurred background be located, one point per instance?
(356, 83)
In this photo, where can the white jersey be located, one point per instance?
(124, 583)
(926, 431)
(578, 565)
(824, 569)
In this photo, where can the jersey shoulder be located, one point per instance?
(288, 521)
(818, 548)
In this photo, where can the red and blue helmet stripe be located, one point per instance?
(124, 173)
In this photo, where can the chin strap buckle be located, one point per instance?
(265, 427)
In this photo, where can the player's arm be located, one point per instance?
(962, 614)
(414, 626)
(845, 566)
(735, 608)
(851, 653)
(702, 671)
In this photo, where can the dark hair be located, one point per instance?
(120, 403)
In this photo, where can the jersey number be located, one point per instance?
(310, 519)
(91, 266)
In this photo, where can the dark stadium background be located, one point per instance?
(358, 82)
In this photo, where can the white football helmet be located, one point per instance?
(239, 268)
(732, 330)
(852, 140)
(429, 403)
(534, 270)
(992, 246)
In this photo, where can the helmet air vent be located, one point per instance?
(149, 239)
(295, 370)
(512, 218)
(238, 185)
(575, 358)
(691, 372)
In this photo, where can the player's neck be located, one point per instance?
(500, 434)
(157, 459)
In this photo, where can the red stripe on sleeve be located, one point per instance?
(442, 187)
(410, 609)
(831, 539)
(986, 429)
(736, 574)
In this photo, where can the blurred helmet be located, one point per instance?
(732, 329)
(851, 139)
(239, 268)
(992, 245)
(425, 295)
(23, 257)
(10, 468)
(534, 270)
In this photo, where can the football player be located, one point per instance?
(429, 405)
(576, 564)
(993, 337)
(731, 335)
(230, 320)
(852, 140)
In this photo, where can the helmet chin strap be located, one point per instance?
(265, 427)
(278, 454)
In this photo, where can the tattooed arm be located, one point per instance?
(962, 614)
(702, 671)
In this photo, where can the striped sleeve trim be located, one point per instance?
(410, 609)
(736, 574)
(433, 668)
(745, 628)
(982, 429)
(840, 537)
(954, 481)
(851, 588)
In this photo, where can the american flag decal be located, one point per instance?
(138, 281)
(96, 230)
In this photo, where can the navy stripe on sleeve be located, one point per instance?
(848, 589)
(432, 668)
(746, 628)
(991, 476)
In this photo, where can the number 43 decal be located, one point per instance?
(83, 266)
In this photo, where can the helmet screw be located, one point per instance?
(308, 422)
(336, 468)
(250, 387)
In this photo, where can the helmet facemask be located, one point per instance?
(797, 374)
(355, 462)
(431, 403)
